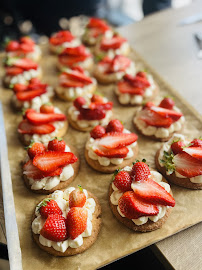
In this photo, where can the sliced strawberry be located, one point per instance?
(18, 87)
(12, 46)
(91, 114)
(29, 95)
(195, 152)
(27, 128)
(66, 82)
(112, 153)
(133, 207)
(75, 51)
(52, 160)
(126, 88)
(101, 106)
(13, 71)
(61, 37)
(151, 192)
(76, 75)
(98, 23)
(33, 172)
(187, 165)
(137, 81)
(25, 64)
(26, 48)
(112, 43)
(27, 40)
(37, 118)
(196, 143)
(113, 140)
(166, 113)
(68, 60)
(120, 63)
(152, 118)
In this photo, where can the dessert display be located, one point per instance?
(20, 70)
(94, 29)
(136, 90)
(49, 167)
(159, 122)
(24, 48)
(180, 161)
(140, 198)
(42, 126)
(31, 95)
(61, 40)
(110, 47)
(75, 56)
(75, 82)
(111, 70)
(111, 147)
(88, 112)
(67, 222)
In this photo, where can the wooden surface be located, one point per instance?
(171, 50)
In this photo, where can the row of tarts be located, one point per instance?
(67, 222)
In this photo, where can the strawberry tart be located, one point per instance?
(76, 56)
(25, 48)
(31, 95)
(136, 90)
(110, 70)
(140, 198)
(20, 70)
(61, 40)
(96, 28)
(42, 126)
(75, 82)
(88, 112)
(111, 147)
(180, 161)
(67, 222)
(50, 167)
(110, 47)
(159, 122)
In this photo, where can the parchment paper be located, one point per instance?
(114, 240)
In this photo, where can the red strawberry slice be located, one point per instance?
(18, 87)
(27, 128)
(33, 172)
(151, 192)
(29, 94)
(133, 207)
(12, 71)
(196, 143)
(119, 63)
(37, 118)
(187, 165)
(61, 37)
(76, 75)
(98, 23)
(113, 140)
(26, 47)
(68, 60)
(75, 51)
(195, 152)
(25, 64)
(66, 82)
(126, 88)
(112, 153)
(112, 43)
(12, 46)
(101, 106)
(166, 113)
(91, 114)
(152, 118)
(52, 160)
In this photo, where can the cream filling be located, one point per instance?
(93, 40)
(167, 147)
(125, 98)
(24, 77)
(35, 55)
(158, 132)
(156, 176)
(62, 199)
(59, 48)
(104, 161)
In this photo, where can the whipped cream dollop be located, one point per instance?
(62, 199)
(47, 183)
(167, 148)
(91, 145)
(116, 194)
(158, 132)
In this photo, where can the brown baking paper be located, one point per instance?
(114, 240)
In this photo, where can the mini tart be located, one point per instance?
(73, 57)
(174, 177)
(63, 184)
(104, 73)
(71, 88)
(95, 29)
(136, 225)
(85, 125)
(139, 97)
(159, 133)
(87, 241)
(110, 47)
(106, 164)
(61, 40)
